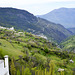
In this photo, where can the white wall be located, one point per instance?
(4, 69)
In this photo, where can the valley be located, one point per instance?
(36, 46)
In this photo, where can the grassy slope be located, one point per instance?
(36, 47)
(8, 49)
(69, 44)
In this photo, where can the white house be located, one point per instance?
(59, 70)
(4, 66)
(12, 28)
(71, 61)
(42, 36)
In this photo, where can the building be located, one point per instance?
(4, 66)
(12, 28)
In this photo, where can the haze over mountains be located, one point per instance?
(64, 16)
(21, 19)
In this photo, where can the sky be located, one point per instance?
(38, 7)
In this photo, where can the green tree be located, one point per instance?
(22, 70)
(1, 53)
(27, 71)
(61, 73)
(12, 68)
(51, 64)
(18, 72)
(45, 71)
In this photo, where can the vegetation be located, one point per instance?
(23, 20)
(68, 44)
(33, 55)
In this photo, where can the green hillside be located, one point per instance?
(23, 20)
(69, 44)
(8, 49)
(34, 55)
(11, 41)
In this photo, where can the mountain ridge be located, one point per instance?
(23, 20)
(64, 16)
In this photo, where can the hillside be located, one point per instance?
(23, 20)
(64, 16)
(72, 30)
(14, 43)
(69, 44)
(33, 55)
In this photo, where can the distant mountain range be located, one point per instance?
(64, 16)
(23, 20)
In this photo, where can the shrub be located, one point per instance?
(29, 46)
(12, 68)
(27, 71)
(42, 60)
(46, 50)
(1, 53)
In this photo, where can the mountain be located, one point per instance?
(69, 44)
(64, 16)
(72, 30)
(23, 20)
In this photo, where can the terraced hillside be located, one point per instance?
(17, 42)
(69, 44)
(33, 55)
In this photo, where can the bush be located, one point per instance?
(1, 53)
(40, 59)
(29, 46)
(27, 71)
(46, 50)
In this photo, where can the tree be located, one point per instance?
(51, 71)
(22, 70)
(27, 71)
(1, 53)
(18, 72)
(12, 68)
(62, 73)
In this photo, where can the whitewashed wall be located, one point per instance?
(4, 67)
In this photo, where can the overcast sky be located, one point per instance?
(38, 7)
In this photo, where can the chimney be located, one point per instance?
(6, 64)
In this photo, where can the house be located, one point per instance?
(42, 36)
(4, 66)
(59, 70)
(12, 28)
(71, 61)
